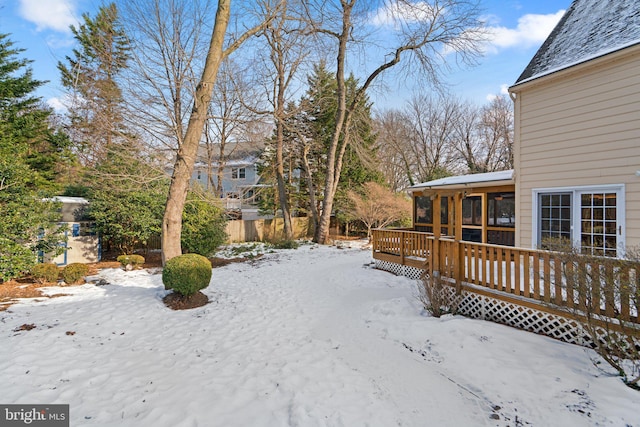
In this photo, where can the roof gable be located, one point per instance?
(588, 29)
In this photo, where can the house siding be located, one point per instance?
(229, 184)
(580, 127)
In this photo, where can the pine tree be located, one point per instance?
(91, 75)
(320, 104)
(29, 154)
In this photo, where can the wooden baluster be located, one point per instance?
(499, 261)
(536, 275)
(526, 291)
(571, 281)
(595, 288)
(508, 274)
(491, 282)
(547, 278)
(609, 283)
(517, 267)
(557, 268)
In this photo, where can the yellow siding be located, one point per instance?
(580, 127)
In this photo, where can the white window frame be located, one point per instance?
(576, 214)
(237, 173)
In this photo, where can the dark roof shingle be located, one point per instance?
(588, 29)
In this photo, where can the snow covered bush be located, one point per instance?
(74, 272)
(187, 274)
(131, 262)
(45, 273)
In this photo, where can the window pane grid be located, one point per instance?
(555, 216)
(598, 225)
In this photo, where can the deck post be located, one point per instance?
(435, 257)
(459, 253)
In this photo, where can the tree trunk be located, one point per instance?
(185, 160)
(330, 184)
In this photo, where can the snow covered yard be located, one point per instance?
(306, 337)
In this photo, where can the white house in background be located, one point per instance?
(240, 178)
(577, 131)
(83, 243)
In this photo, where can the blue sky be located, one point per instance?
(519, 26)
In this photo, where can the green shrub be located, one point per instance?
(73, 273)
(203, 226)
(45, 273)
(286, 244)
(134, 261)
(187, 274)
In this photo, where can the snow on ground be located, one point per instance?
(306, 337)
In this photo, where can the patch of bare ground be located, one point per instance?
(175, 301)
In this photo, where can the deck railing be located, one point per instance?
(605, 286)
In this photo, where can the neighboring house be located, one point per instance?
(577, 131)
(236, 175)
(83, 243)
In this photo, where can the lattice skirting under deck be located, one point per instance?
(496, 310)
(399, 270)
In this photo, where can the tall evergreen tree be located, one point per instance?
(320, 104)
(29, 151)
(96, 113)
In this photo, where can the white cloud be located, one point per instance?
(57, 104)
(55, 15)
(531, 30)
(504, 90)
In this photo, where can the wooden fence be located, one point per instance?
(257, 230)
(605, 286)
(265, 229)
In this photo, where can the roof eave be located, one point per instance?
(462, 185)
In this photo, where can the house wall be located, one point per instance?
(580, 127)
(229, 184)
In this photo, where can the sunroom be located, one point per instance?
(485, 203)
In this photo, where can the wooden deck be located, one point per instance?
(532, 277)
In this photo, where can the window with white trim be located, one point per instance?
(238, 173)
(592, 218)
(555, 216)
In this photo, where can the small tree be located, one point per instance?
(377, 206)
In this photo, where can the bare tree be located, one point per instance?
(431, 137)
(167, 38)
(425, 31)
(484, 136)
(394, 154)
(286, 54)
(167, 74)
(496, 131)
(230, 120)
